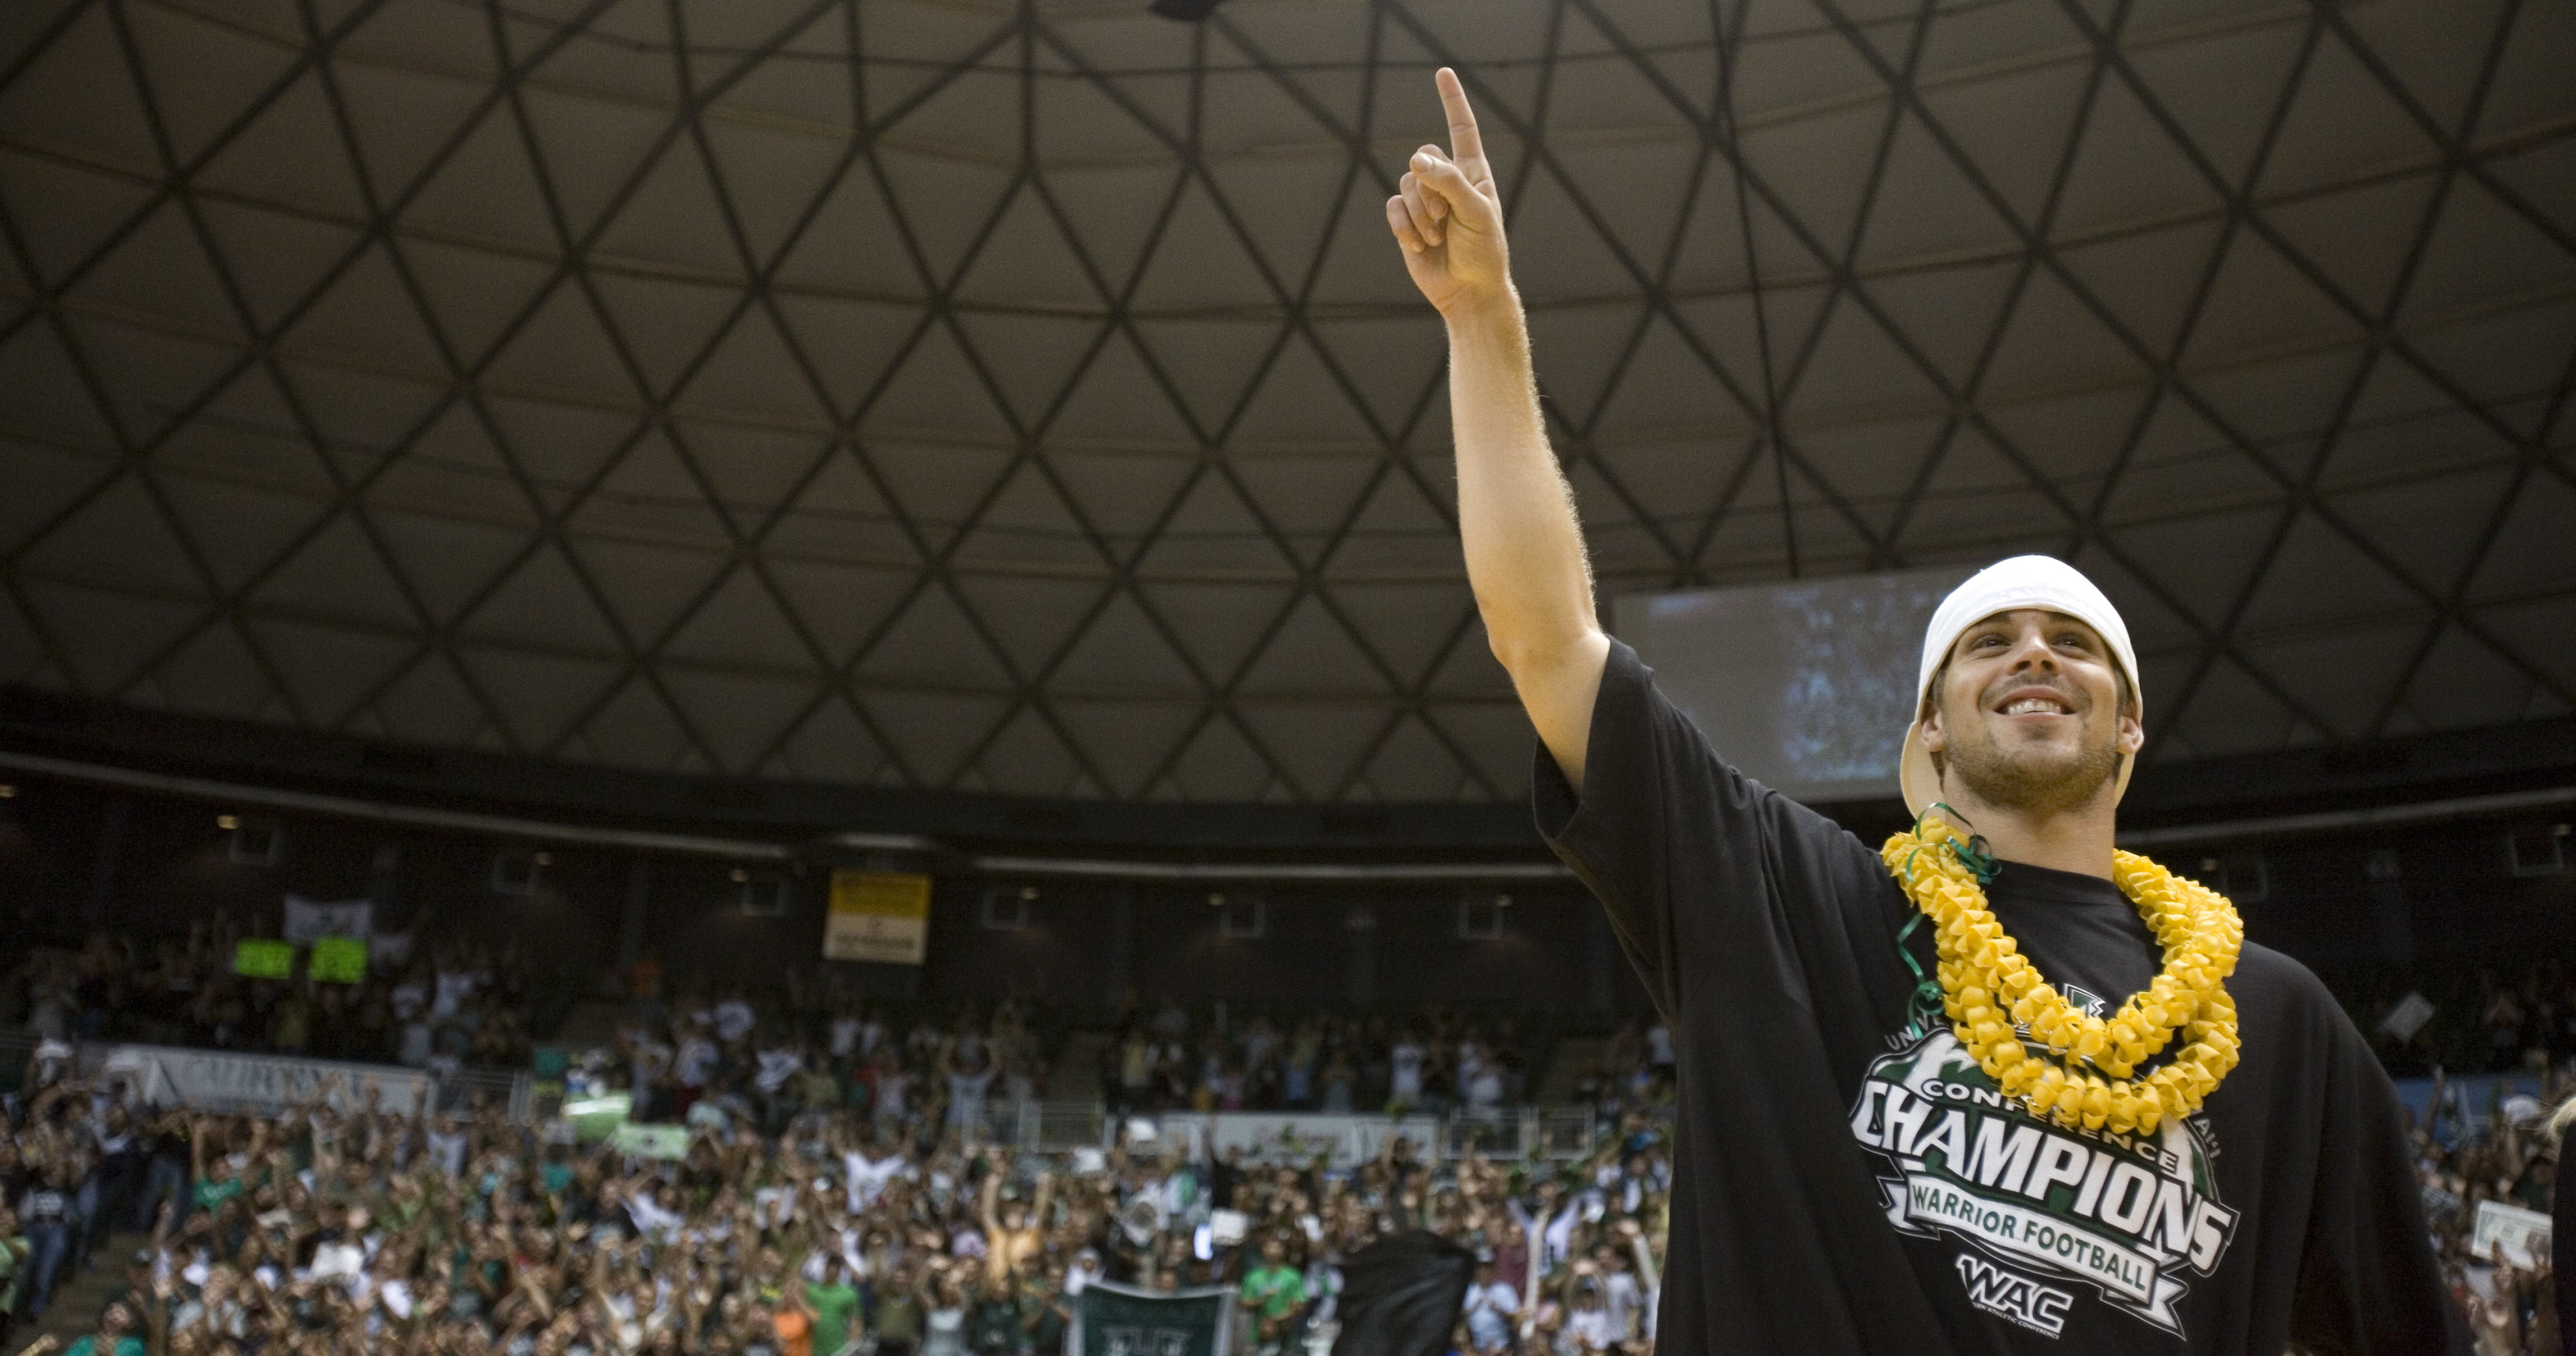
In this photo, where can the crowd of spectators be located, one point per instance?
(453, 1003)
(794, 1223)
(2504, 1153)
(1438, 1061)
(709, 1058)
(2483, 1018)
(844, 1187)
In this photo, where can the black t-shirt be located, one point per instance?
(1844, 1182)
(2562, 1238)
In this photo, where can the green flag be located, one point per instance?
(1117, 1320)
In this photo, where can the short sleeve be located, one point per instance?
(1693, 860)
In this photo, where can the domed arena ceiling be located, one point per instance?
(1027, 398)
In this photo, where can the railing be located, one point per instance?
(457, 1093)
(1555, 1134)
(1056, 1127)
(231, 1081)
(226, 1080)
(1045, 1127)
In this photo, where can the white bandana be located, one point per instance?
(2042, 582)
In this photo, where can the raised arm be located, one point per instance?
(1516, 514)
(991, 1203)
(157, 1316)
(1644, 1253)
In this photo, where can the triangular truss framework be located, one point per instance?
(1025, 398)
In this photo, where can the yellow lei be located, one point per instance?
(2084, 1079)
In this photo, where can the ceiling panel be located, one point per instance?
(1026, 399)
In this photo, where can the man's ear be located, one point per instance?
(2133, 736)
(1933, 739)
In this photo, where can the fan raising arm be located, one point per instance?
(1516, 514)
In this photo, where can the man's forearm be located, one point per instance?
(1515, 512)
(1524, 544)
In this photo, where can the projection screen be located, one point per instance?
(1805, 687)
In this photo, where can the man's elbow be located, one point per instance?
(1528, 653)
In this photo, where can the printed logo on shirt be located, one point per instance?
(2085, 1001)
(2013, 1296)
(2126, 1217)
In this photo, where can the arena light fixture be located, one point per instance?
(253, 843)
(1006, 909)
(1240, 916)
(518, 872)
(1481, 914)
(2242, 875)
(2535, 851)
(764, 894)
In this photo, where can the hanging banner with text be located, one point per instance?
(881, 916)
(1117, 1320)
(659, 1142)
(338, 960)
(221, 1081)
(2510, 1234)
(309, 921)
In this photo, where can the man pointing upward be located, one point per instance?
(1994, 1087)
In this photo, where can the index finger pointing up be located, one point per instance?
(1466, 146)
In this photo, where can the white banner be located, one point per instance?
(307, 919)
(652, 1141)
(2509, 1233)
(219, 1081)
(2408, 1017)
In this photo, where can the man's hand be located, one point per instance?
(1449, 216)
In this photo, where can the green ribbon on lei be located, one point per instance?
(1925, 1004)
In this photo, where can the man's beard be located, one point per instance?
(2035, 781)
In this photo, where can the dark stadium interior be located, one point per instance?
(664, 661)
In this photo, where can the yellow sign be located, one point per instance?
(878, 916)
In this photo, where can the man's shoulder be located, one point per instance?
(2269, 976)
(2283, 1003)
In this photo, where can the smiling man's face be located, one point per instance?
(2030, 713)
